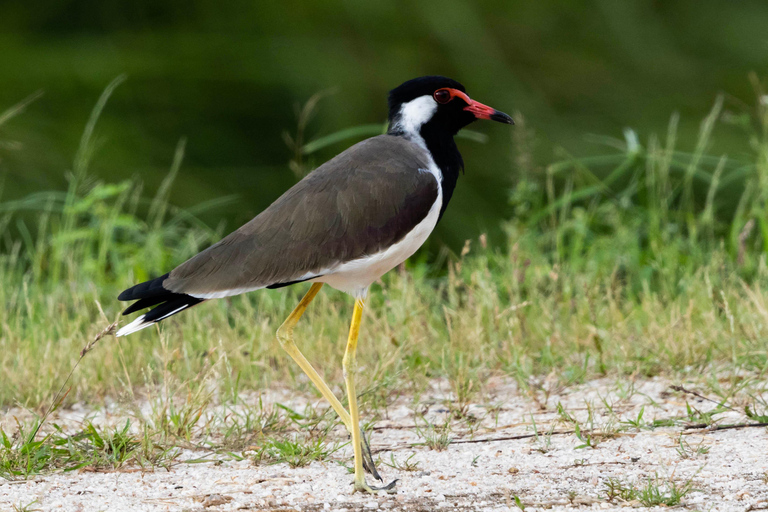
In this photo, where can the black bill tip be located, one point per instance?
(501, 117)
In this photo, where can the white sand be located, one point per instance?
(732, 475)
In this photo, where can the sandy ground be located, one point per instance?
(481, 471)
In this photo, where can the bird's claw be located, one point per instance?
(368, 464)
(370, 467)
(386, 489)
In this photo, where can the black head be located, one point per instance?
(429, 111)
(438, 104)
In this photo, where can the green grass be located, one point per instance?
(402, 464)
(639, 273)
(93, 448)
(435, 437)
(654, 492)
(296, 452)
(29, 507)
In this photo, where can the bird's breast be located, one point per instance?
(354, 277)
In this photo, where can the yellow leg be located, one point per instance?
(350, 369)
(285, 336)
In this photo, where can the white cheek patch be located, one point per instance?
(415, 113)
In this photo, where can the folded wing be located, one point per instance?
(358, 203)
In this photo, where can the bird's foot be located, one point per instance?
(362, 486)
(368, 464)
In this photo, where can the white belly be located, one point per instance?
(354, 277)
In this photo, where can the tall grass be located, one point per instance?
(616, 263)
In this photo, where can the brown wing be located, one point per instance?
(361, 201)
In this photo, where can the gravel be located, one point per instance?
(490, 470)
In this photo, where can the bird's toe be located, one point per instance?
(390, 488)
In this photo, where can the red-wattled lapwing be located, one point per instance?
(347, 223)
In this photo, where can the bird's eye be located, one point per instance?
(442, 96)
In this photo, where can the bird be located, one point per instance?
(345, 224)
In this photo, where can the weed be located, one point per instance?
(106, 449)
(586, 436)
(544, 442)
(755, 416)
(494, 410)
(407, 464)
(617, 489)
(638, 423)
(698, 417)
(29, 507)
(654, 492)
(179, 421)
(686, 451)
(661, 423)
(23, 456)
(657, 492)
(625, 390)
(462, 381)
(239, 428)
(564, 416)
(435, 437)
(295, 452)
(588, 439)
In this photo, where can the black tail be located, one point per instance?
(152, 293)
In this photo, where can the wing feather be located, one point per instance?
(365, 199)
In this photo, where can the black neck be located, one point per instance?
(446, 155)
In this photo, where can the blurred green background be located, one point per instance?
(229, 76)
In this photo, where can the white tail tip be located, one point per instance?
(134, 326)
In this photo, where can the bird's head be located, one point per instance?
(437, 103)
